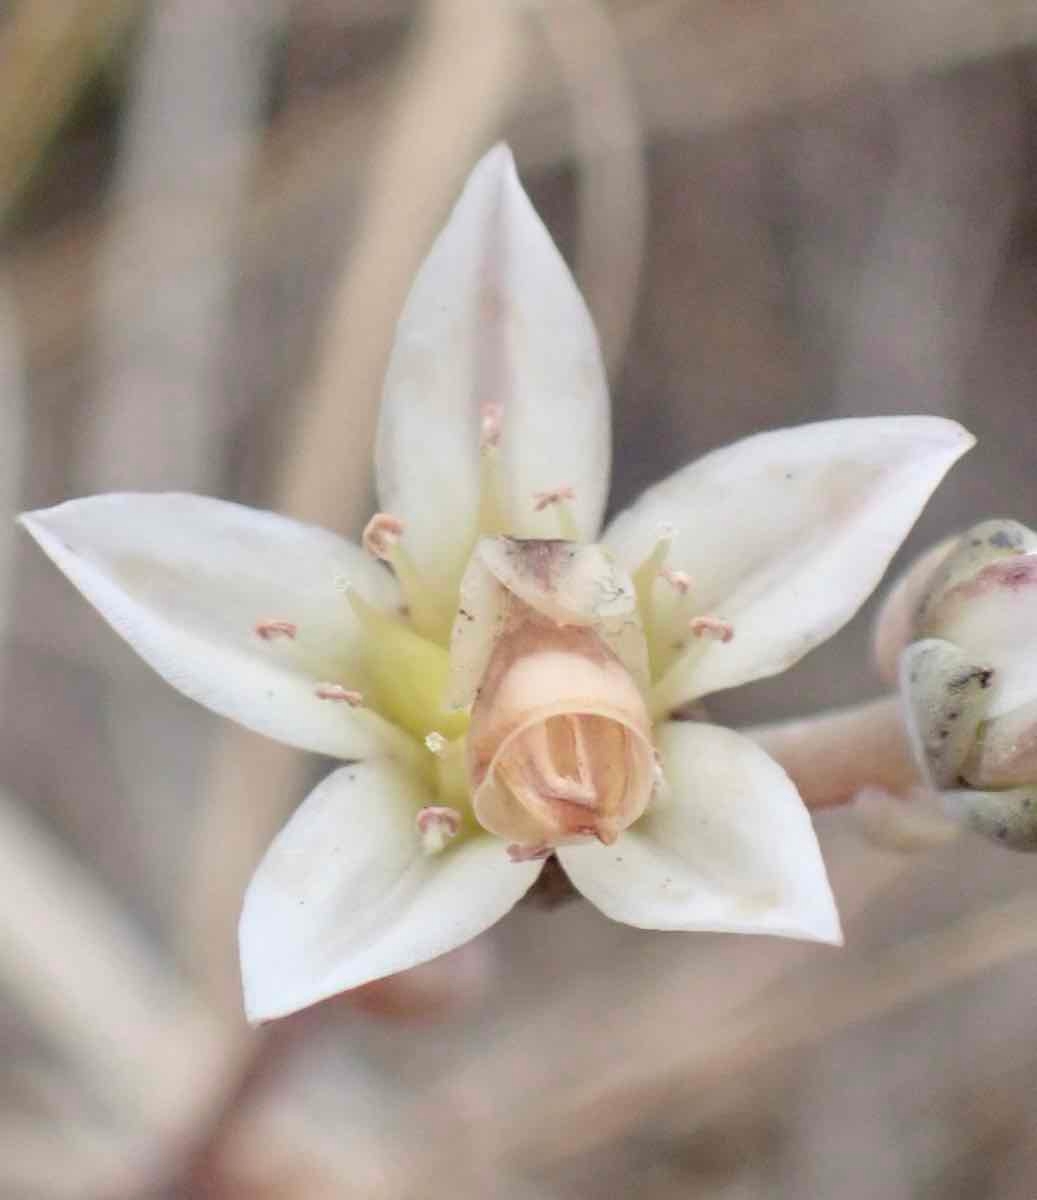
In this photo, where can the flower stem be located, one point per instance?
(831, 757)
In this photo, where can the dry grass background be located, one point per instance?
(778, 212)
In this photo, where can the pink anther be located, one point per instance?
(520, 854)
(678, 580)
(712, 627)
(437, 824)
(381, 533)
(491, 418)
(439, 817)
(336, 692)
(269, 630)
(542, 500)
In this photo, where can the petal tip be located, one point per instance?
(31, 521)
(266, 990)
(827, 929)
(942, 433)
(495, 170)
(499, 158)
(41, 529)
(957, 436)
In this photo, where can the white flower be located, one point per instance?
(493, 454)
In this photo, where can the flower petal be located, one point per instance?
(945, 695)
(493, 318)
(1005, 754)
(346, 894)
(186, 580)
(783, 535)
(729, 846)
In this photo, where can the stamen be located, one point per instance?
(492, 506)
(520, 854)
(381, 534)
(678, 580)
(541, 500)
(436, 742)
(491, 417)
(430, 612)
(660, 614)
(437, 825)
(712, 627)
(559, 499)
(269, 630)
(336, 692)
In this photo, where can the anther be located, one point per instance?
(521, 854)
(542, 500)
(381, 533)
(269, 630)
(712, 627)
(678, 580)
(335, 691)
(435, 742)
(437, 824)
(490, 420)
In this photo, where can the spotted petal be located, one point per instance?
(346, 895)
(493, 318)
(186, 580)
(784, 535)
(729, 846)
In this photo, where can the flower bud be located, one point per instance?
(970, 683)
(988, 557)
(559, 746)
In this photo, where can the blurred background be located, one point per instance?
(210, 214)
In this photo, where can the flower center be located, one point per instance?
(570, 775)
(560, 744)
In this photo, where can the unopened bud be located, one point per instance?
(970, 683)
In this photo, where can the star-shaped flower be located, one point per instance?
(503, 692)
